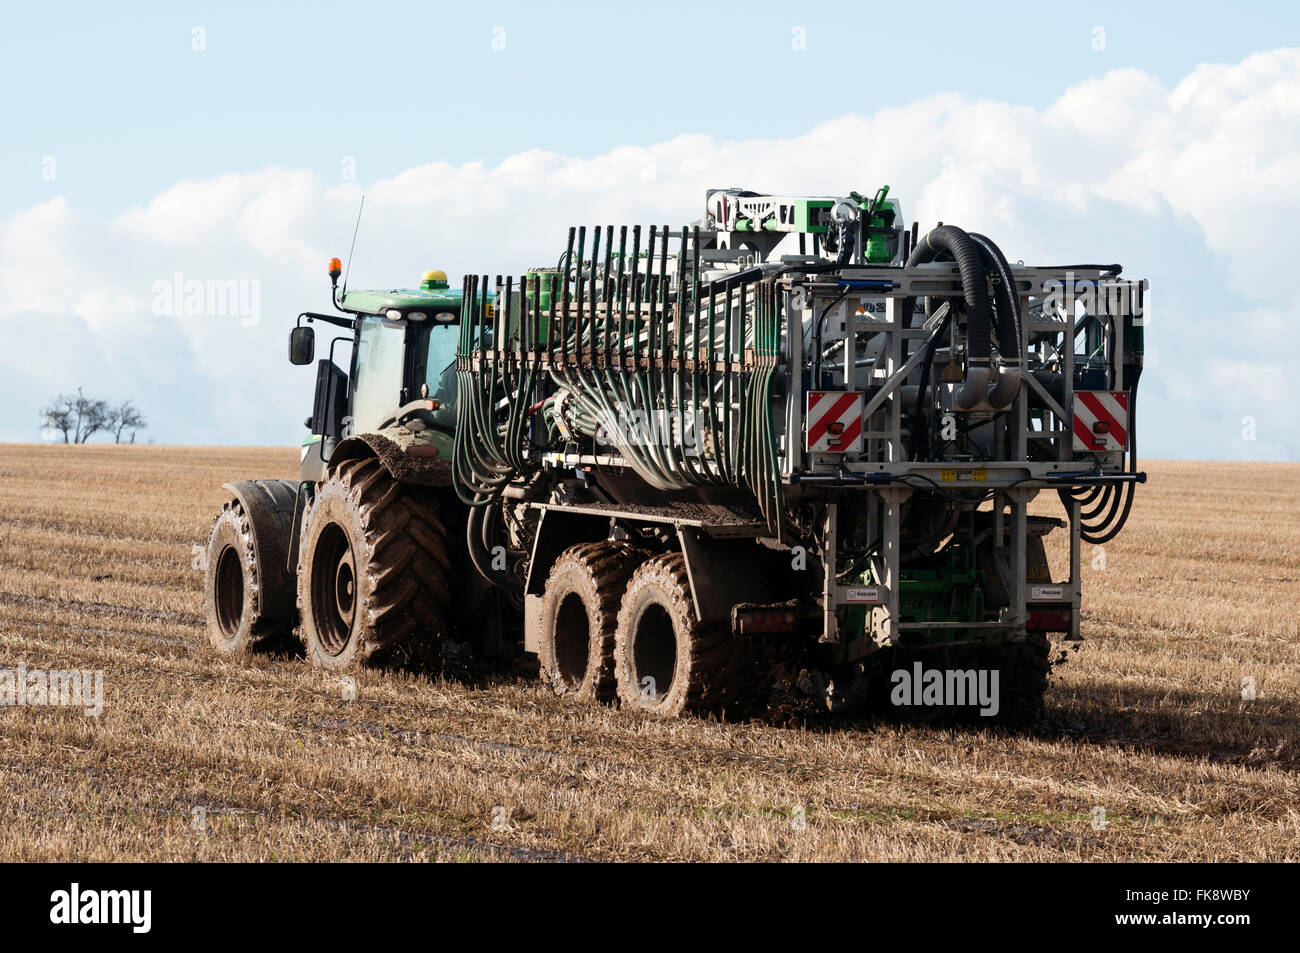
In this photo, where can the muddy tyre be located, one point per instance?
(667, 662)
(1023, 669)
(245, 612)
(579, 615)
(1022, 673)
(373, 574)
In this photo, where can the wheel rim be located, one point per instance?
(333, 589)
(228, 591)
(345, 583)
(572, 640)
(654, 652)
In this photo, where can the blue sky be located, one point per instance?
(1165, 136)
(117, 94)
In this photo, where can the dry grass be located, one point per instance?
(1145, 720)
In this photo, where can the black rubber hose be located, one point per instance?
(955, 242)
(1090, 516)
(477, 529)
(1006, 310)
(817, 343)
(1087, 497)
(478, 553)
(919, 439)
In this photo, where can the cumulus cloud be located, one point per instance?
(1195, 187)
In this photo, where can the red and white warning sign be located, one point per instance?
(834, 421)
(1100, 420)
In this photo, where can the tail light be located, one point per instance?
(750, 621)
(1048, 620)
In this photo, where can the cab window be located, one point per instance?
(436, 367)
(380, 359)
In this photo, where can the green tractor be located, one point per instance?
(359, 558)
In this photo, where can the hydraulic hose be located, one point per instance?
(1006, 312)
(977, 257)
(919, 436)
(478, 540)
(948, 241)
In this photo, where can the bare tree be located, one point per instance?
(123, 419)
(59, 415)
(79, 418)
(92, 416)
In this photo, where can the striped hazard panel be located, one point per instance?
(834, 421)
(1100, 420)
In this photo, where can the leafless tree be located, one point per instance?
(125, 419)
(79, 418)
(58, 417)
(92, 416)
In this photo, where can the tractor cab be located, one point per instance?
(400, 384)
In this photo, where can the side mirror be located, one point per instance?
(302, 345)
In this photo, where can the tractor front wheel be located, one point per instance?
(373, 578)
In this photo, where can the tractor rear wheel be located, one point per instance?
(246, 612)
(373, 578)
(666, 661)
(579, 615)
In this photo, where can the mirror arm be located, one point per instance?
(349, 323)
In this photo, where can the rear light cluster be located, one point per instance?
(749, 621)
(1048, 620)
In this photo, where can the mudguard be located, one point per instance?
(270, 508)
(423, 458)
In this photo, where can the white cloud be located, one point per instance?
(1259, 381)
(1196, 187)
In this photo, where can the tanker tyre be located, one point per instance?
(579, 614)
(1022, 674)
(666, 661)
(1023, 669)
(243, 616)
(373, 573)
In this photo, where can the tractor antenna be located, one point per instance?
(360, 209)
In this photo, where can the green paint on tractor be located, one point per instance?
(431, 301)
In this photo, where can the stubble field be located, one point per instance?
(198, 758)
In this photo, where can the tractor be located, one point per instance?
(357, 561)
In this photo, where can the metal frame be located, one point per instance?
(881, 467)
(883, 450)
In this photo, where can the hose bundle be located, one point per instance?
(491, 399)
(676, 378)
